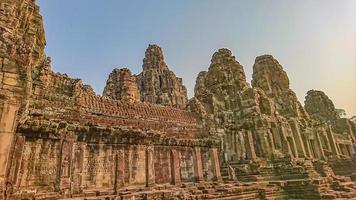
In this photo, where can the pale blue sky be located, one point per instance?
(314, 40)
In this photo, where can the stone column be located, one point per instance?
(8, 114)
(225, 147)
(307, 145)
(270, 138)
(85, 171)
(215, 164)
(332, 142)
(250, 148)
(176, 179)
(293, 146)
(320, 146)
(77, 167)
(286, 148)
(351, 150)
(64, 169)
(120, 168)
(297, 138)
(150, 170)
(15, 158)
(241, 147)
(276, 137)
(198, 165)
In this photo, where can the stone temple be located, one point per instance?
(144, 139)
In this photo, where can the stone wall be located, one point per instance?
(70, 167)
(75, 143)
(22, 43)
(59, 139)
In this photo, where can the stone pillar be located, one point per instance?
(198, 165)
(297, 138)
(332, 142)
(176, 179)
(276, 137)
(15, 159)
(119, 169)
(77, 168)
(264, 148)
(64, 168)
(215, 164)
(84, 175)
(351, 150)
(293, 146)
(289, 137)
(8, 114)
(150, 169)
(238, 150)
(225, 149)
(286, 147)
(307, 145)
(250, 148)
(270, 138)
(320, 146)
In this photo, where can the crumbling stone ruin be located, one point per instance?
(158, 84)
(121, 85)
(155, 84)
(320, 107)
(143, 138)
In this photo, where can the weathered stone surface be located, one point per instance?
(21, 49)
(353, 119)
(158, 84)
(320, 107)
(121, 85)
(322, 110)
(231, 110)
(269, 75)
(263, 122)
(218, 91)
(58, 139)
(22, 42)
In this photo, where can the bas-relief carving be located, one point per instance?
(207, 164)
(162, 165)
(39, 165)
(58, 139)
(187, 165)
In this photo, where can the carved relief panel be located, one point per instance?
(207, 164)
(98, 166)
(39, 165)
(135, 166)
(187, 165)
(162, 165)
